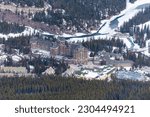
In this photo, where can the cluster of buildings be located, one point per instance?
(14, 71)
(100, 73)
(70, 52)
(42, 44)
(101, 66)
(117, 60)
(75, 52)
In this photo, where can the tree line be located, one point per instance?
(62, 88)
(21, 43)
(142, 33)
(7, 28)
(104, 44)
(139, 59)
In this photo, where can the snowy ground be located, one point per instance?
(125, 15)
(142, 25)
(28, 31)
(139, 74)
(145, 49)
(130, 75)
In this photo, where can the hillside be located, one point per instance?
(112, 25)
(131, 10)
(69, 17)
(58, 17)
(75, 16)
(36, 3)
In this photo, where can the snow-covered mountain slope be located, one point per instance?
(111, 25)
(124, 16)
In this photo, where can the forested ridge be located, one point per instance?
(55, 87)
(79, 15)
(72, 15)
(89, 9)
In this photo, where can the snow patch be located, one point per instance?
(16, 58)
